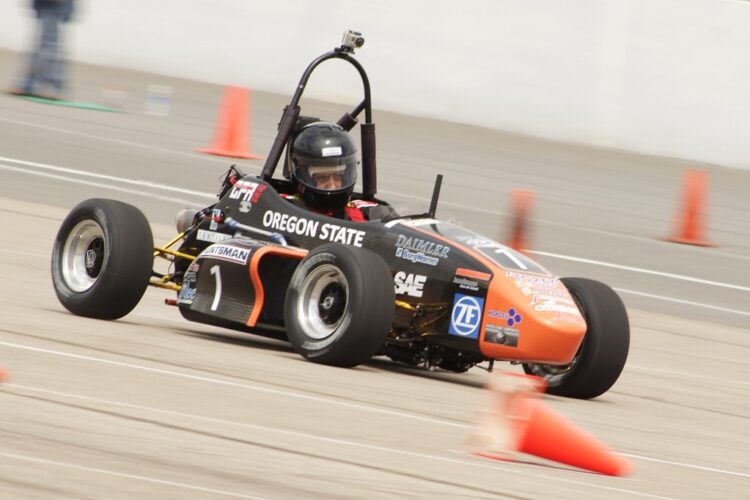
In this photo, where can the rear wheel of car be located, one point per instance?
(102, 259)
(339, 305)
(602, 355)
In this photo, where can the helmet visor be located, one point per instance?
(329, 174)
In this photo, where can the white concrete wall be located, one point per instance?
(668, 77)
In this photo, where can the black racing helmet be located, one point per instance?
(323, 161)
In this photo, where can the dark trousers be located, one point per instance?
(46, 72)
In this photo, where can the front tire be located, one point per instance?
(102, 259)
(602, 355)
(339, 305)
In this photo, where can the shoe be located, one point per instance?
(47, 97)
(18, 91)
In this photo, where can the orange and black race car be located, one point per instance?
(413, 288)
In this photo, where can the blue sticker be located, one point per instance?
(466, 316)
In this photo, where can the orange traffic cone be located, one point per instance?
(4, 375)
(521, 203)
(691, 217)
(231, 137)
(529, 426)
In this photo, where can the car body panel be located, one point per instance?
(488, 299)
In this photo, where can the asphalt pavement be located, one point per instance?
(154, 406)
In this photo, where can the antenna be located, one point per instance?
(435, 195)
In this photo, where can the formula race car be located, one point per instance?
(418, 290)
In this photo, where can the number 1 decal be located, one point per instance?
(216, 271)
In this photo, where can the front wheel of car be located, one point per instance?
(339, 305)
(102, 259)
(601, 358)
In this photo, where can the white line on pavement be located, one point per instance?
(641, 270)
(223, 423)
(685, 302)
(72, 171)
(319, 399)
(102, 185)
(236, 384)
(123, 475)
(132, 144)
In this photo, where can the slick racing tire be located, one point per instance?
(102, 259)
(339, 305)
(602, 355)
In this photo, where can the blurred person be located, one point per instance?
(323, 164)
(45, 76)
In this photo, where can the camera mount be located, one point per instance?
(350, 41)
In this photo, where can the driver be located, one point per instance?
(323, 163)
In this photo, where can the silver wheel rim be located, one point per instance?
(83, 256)
(322, 302)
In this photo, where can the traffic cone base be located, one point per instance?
(229, 153)
(690, 241)
(549, 435)
(231, 139)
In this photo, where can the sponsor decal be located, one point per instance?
(511, 317)
(466, 316)
(191, 274)
(545, 292)
(503, 335)
(212, 236)
(330, 151)
(420, 251)
(313, 229)
(186, 295)
(409, 284)
(215, 217)
(554, 306)
(523, 280)
(416, 257)
(247, 191)
(472, 241)
(227, 252)
(468, 279)
(466, 284)
(470, 273)
(245, 206)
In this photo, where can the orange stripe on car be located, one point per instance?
(255, 276)
(470, 273)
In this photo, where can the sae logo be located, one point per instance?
(466, 316)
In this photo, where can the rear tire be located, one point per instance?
(602, 355)
(339, 306)
(102, 259)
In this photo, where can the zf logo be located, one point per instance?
(466, 316)
(409, 284)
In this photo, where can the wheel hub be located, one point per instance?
(83, 255)
(332, 303)
(95, 257)
(322, 303)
